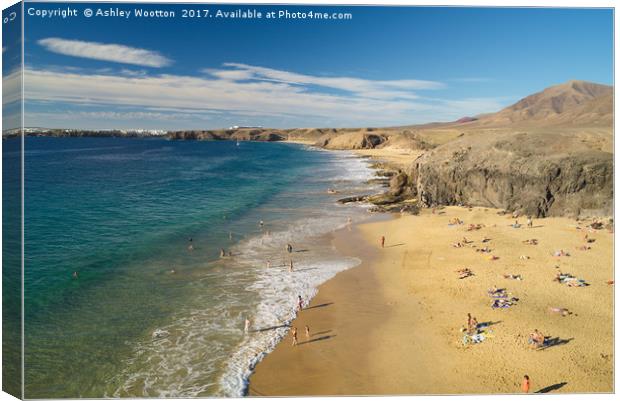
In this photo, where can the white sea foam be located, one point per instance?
(204, 350)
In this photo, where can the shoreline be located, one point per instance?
(401, 333)
(323, 330)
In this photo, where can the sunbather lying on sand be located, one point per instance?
(532, 241)
(473, 227)
(493, 257)
(464, 273)
(583, 248)
(504, 303)
(560, 253)
(485, 239)
(575, 282)
(524, 257)
(495, 292)
(561, 311)
(513, 277)
(457, 245)
(484, 250)
(466, 241)
(569, 280)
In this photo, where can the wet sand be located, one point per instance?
(392, 325)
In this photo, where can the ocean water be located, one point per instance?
(121, 212)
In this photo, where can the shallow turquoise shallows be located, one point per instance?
(154, 309)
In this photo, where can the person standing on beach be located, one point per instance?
(290, 266)
(525, 385)
(222, 252)
(294, 334)
(300, 303)
(247, 325)
(382, 241)
(530, 223)
(289, 248)
(307, 333)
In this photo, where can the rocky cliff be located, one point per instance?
(536, 174)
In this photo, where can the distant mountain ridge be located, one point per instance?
(573, 102)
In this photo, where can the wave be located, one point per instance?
(204, 350)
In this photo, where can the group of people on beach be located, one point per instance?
(536, 339)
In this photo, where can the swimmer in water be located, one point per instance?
(75, 275)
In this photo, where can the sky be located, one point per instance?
(386, 66)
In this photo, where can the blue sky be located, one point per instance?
(387, 66)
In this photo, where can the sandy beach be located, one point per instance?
(393, 324)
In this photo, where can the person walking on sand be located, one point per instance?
(530, 223)
(247, 325)
(289, 248)
(268, 263)
(525, 384)
(300, 303)
(290, 266)
(382, 241)
(294, 334)
(307, 333)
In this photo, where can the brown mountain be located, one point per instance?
(573, 102)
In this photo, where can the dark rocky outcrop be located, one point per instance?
(351, 140)
(351, 199)
(540, 175)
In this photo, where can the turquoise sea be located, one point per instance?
(147, 316)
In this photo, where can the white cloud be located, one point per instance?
(12, 87)
(106, 52)
(380, 89)
(260, 94)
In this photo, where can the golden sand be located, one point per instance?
(392, 325)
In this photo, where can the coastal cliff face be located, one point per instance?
(517, 173)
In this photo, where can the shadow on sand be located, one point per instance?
(488, 324)
(553, 387)
(319, 306)
(317, 339)
(552, 342)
